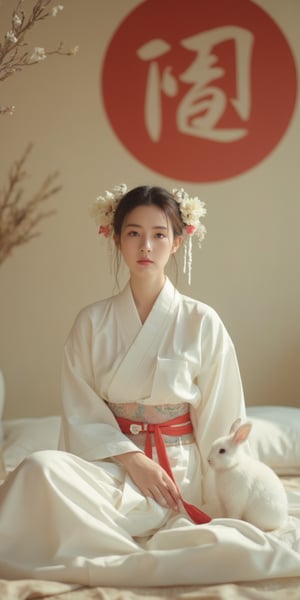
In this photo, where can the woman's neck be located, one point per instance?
(145, 293)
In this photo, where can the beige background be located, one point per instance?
(248, 267)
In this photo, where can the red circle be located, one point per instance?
(199, 57)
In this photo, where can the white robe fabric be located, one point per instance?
(74, 515)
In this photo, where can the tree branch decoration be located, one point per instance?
(19, 217)
(13, 53)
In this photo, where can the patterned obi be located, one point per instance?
(152, 414)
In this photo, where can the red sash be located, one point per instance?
(175, 427)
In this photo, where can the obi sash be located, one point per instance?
(178, 426)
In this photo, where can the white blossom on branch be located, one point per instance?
(38, 54)
(15, 54)
(55, 10)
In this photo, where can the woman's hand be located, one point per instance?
(151, 479)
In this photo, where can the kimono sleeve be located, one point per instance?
(89, 428)
(222, 396)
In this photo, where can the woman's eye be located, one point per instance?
(132, 233)
(161, 236)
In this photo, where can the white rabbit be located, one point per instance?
(247, 488)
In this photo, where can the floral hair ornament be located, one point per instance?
(104, 208)
(191, 210)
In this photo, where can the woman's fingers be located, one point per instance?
(158, 497)
(164, 496)
(151, 479)
(172, 491)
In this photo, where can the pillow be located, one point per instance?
(275, 437)
(23, 436)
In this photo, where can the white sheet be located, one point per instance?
(210, 555)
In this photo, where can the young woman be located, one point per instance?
(150, 379)
(150, 356)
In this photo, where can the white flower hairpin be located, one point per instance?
(104, 208)
(191, 208)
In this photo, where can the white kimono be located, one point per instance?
(75, 515)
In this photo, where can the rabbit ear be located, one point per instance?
(235, 425)
(242, 433)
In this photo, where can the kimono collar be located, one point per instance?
(142, 341)
(160, 307)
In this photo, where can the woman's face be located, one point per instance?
(147, 241)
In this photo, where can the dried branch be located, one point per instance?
(14, 55)
(19, 218)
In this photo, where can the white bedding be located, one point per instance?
(275, 439)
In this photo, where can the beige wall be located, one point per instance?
(248, 268)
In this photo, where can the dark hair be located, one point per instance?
(146, 196)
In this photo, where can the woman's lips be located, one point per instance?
(145, 261)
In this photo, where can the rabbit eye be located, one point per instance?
(222, 451)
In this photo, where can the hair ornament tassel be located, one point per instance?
(188, 258)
